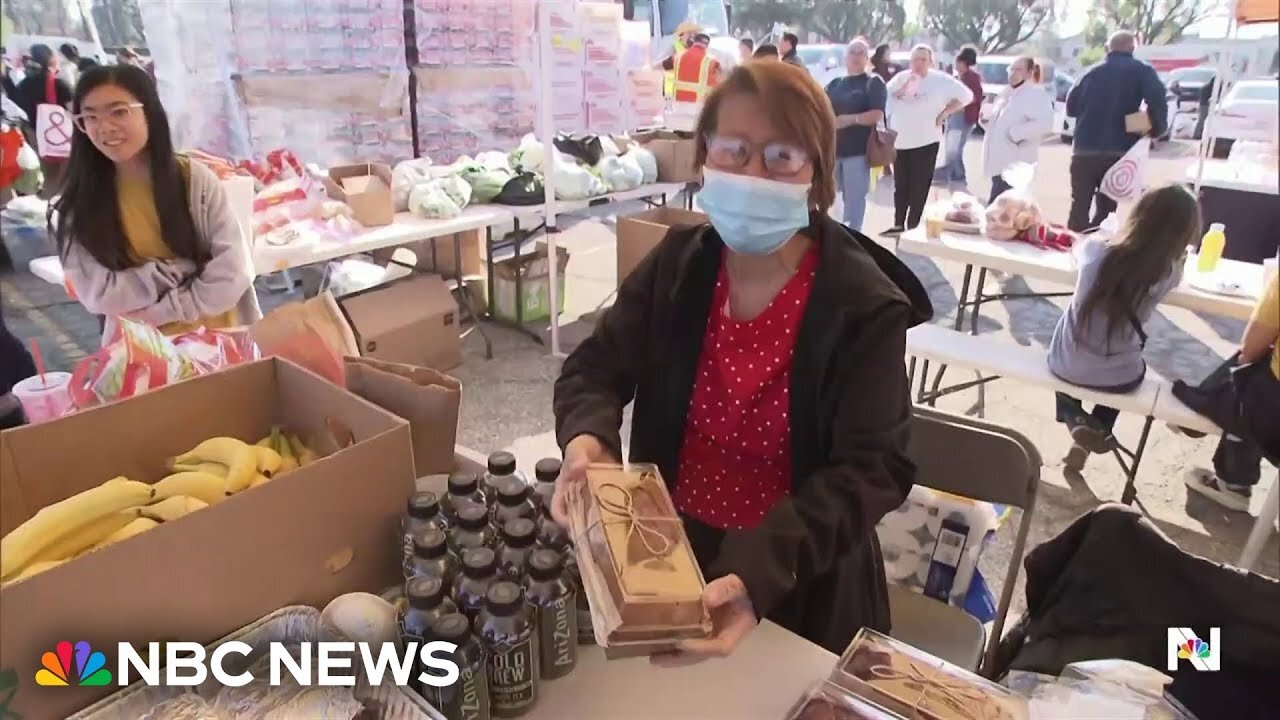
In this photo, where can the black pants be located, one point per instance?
(912, 178)
(998, 185)
(1087, 171)
(15, 362)
(1248, 411)
(1071, 410)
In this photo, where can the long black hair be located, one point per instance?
(1161, 225)
(88, 211)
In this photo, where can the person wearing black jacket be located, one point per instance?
(36, 89)
(764, 354)
(16, 365)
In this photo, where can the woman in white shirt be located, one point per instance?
(1020, 120)
(919, 103)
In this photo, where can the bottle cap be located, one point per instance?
(545, 564)
(479, 562)
(547, 470)
(502, 463)
(504, 598)
(1220, 227)
(430, 543)
(423, 505)
(452, 628)
(424, 591)
(519, 532)
(463, 483)
(472, 516)
(512, 492)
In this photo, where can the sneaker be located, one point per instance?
(1091, 437)
(894, 231)
(1232, 497)
(1075, 459)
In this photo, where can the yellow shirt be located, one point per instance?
(1267, 314)
(141, 225)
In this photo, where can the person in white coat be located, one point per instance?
(1017, 123)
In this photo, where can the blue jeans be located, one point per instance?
(957, 137)
(853, 177)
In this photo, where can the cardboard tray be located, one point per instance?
(297, 623)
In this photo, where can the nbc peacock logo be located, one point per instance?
(90, 666)
(1193, 648)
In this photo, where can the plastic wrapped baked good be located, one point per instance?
(826, 701)
(186, 707)
(640, 576)
(1062, 698)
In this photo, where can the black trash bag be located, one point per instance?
(525, 188)
(586, 148)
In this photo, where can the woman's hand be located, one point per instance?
(581, 451)
(732, 617)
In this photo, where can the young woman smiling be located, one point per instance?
(145, 233)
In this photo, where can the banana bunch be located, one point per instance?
(120, 508)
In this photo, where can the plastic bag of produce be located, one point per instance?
(526, 188)
(486, 182)
(493, 160)
(574, 181)
(405, 175)
(458, 190)
(647, 162)
(529, 156)
(430, 200)
(621, 172)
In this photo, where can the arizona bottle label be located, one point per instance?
(512, 674)
(467, 699)
(558, 637)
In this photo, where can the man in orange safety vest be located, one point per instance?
(697, 71)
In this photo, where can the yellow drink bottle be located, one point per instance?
(1211, 247)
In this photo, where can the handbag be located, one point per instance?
(880, 150)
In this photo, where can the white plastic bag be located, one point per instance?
(429, 200)
(573, 181)
(1014, 210)
(405, 175)
(620, 172)
(648, 163)
(457, 188)
(1126, 179)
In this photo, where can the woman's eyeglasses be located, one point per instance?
(117, 115)
(780, 159)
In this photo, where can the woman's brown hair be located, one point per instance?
(797, 107)
(1160, 227)
(1034, 71)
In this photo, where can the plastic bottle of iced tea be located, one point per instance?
(464, 487)
(479, 571)
(423, 512)
(471, 529)
(468, 698)
(431, 557)
(501, 465)
(512, 502)
(518, 538)
(545, 473)
(553, 599)
(511, 650)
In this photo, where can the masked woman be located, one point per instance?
(764, 356)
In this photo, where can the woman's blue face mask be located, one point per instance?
(753, 215)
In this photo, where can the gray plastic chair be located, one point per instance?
(984, 461)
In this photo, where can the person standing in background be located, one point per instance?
(920, 102)
(858, 100)
(1020, 118)
(43, 86)
(788, 48)
(767, 51)
(960, 125)
(746, 47)
(1100, 101)
(69, 70)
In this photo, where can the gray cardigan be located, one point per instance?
(153, 292)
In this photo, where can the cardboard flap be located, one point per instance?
(428, 399)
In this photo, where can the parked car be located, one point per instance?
(1248, 112)
(1188, 84)
(824, 62)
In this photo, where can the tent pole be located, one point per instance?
(1206, 142)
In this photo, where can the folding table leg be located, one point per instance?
(464, 293)
(1130, 490)
(973, 330)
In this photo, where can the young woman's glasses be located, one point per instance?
(780, 159)
(117, 115)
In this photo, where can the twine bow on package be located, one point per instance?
(641, 579)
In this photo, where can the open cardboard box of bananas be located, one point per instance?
(161, 518)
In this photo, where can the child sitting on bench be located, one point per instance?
(1099, 339)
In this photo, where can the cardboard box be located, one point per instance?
(301, 539)
(534, 272)
(674, 152)
(413, 320)
(441, 260)
(427, 398)
(640, 233)
(366, 187)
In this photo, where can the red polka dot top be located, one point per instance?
(736, 460)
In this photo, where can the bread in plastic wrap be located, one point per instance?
(186, 707)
